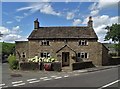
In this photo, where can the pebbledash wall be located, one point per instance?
(97, 52)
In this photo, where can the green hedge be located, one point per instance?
(13, 63)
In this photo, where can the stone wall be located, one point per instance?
(22, 48)
(93, 48)
(105, 56)
(98, 54)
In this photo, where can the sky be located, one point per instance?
(18, 17)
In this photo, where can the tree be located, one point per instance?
(7, 49)
(114, 34)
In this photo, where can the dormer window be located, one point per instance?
(83, 42)
(45, 42)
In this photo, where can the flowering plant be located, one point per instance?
(42, 59)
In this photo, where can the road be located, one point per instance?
(98, 79)
(94, 79)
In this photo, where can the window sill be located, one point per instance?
(44, 45)
(82, 45)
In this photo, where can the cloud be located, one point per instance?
(11, 35)
(9, 22)
(94, 6)
(94, 12)
(43, 7)
(47, 9)
(19, 18)
(24, 8)
(76, 22)
(107, 3)
(16, 30)
(102, 4)
(70, 15)
(4, 30)
(99, 24)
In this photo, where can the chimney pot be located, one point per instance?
(36, 24)
(90, 22)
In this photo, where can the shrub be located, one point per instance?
(13, 63)
(113, 54)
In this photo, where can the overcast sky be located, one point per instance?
(18, 17)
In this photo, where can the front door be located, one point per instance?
(65, 58)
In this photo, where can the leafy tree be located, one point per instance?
(7, 49)
(114, 34)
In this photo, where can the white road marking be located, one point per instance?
(53, 76)
(109, 84)
(58, 77)
(19, 84)
(2, 84)
(82, 71)
(43, 77)
(35, 81)
(76, 74)
(47, 79)
(66, 76)
(31, 79)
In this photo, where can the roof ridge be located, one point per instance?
(65, 26)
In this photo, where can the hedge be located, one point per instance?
(13, 63)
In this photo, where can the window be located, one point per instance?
(45, 42)
(83, 55)
(83, 42)
(45, 54)
(23, 55)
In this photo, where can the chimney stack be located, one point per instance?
(90, 22)
(36, 24)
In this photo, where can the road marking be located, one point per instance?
(19, 84)
(35, 81)
(109, 84)
(4, 87)
(43, 77)
(76, 74)
(47, 79)
(82, 71)
(66, 76)
(58, 77)
(31, 79)
(2, 84)
(53, 76)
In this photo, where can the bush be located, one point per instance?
(13, 63)
(113, 54)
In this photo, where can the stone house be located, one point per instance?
(67, 44)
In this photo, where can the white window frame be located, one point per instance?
(45, 43)
(83, 53)
(83, 42)
(45, 54)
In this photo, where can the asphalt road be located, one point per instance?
(98, 79)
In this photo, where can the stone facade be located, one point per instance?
(95, 51)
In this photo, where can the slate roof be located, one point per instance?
(63, 32)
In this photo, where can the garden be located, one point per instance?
(35, 63)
